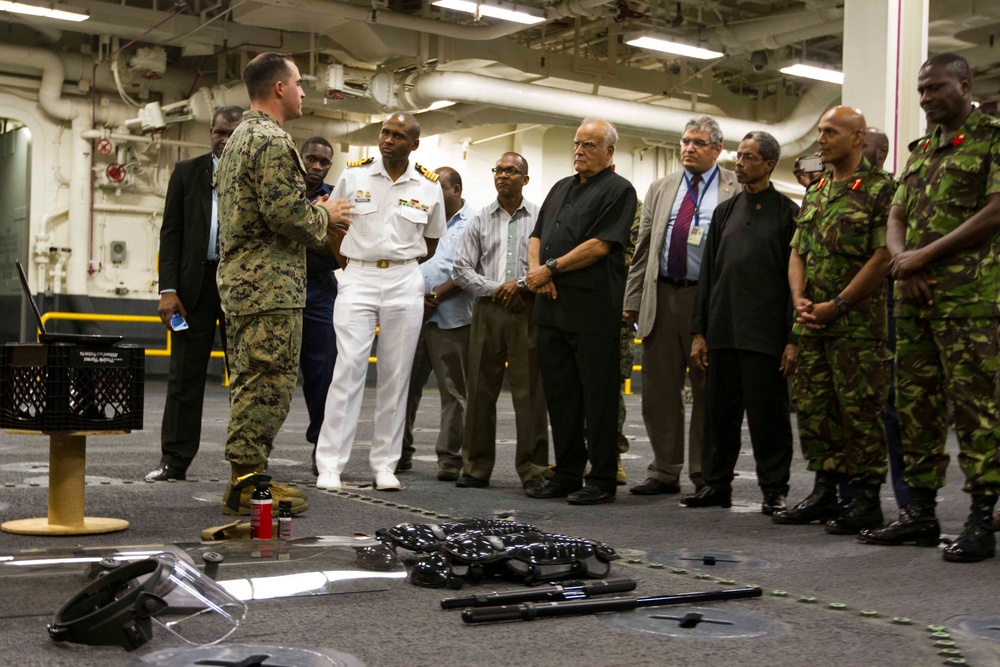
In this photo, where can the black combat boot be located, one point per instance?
(917, 523)
(976, 542)
(865, 511)
(820, 505)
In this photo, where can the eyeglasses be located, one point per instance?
(507, 171)
(748, 157)
(698, 143)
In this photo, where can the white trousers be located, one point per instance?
(392, 298)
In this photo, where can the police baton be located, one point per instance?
(530, 610)
(571, 590)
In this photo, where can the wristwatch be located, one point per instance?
(842, 305)
(552, 264)
(521, 284)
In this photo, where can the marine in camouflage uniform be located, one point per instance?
(947, 348)
(266, 224)
(842, 377)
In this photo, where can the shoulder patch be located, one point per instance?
(360, 163)
(427, 173)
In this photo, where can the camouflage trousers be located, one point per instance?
(954, 361)
(627, 360)
(263, 368)
(841, 388)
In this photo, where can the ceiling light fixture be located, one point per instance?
(45, 12)
(495, 10)
(813, 72)
(661, 43)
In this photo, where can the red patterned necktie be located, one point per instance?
(678, 254)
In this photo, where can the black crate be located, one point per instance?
(64, 387)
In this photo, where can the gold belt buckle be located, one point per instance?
(382, 264)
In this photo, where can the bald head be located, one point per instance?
(841, 134)
(875, 146)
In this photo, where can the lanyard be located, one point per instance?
(701, 195)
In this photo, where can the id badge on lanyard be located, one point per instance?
(697, 233)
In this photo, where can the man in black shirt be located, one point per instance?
(576, 261)
(742, 331)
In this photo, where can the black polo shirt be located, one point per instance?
(602, 207)
(743, 298)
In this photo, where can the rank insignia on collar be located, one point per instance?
(856, 184)
(926, 144)
(822, 182)
(957, 141)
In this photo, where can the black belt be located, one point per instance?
(212, 263)
(684, 282)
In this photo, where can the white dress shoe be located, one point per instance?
(329, 481)
(386, 481)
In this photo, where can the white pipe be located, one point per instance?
(53, 74)
(421, 90)
(363, 14)
(94, 135)
(80, 197)
(752, 35)
(125, 208)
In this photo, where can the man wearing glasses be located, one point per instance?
(491, 263)
(576, 262)
(742, 330)
(660, 295)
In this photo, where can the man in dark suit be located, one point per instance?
(189, 256)
(576, 262)
(660, 295)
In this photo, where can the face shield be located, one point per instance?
(121, 607)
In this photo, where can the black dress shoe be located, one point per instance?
(590, 495)
(447, 475)
(652, 487)
(709, 497)
(164, 473)
(551, 489)
(403, 465)
(773, 502)
(470, 482)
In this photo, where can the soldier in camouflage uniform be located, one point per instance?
(944, 244)
(266, 225)
(627, 351)
(837, 277)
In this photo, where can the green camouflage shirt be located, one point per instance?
(942, 186)
(265, 221)
(838, 229)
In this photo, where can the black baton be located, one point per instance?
(530, 610)
(571, 590)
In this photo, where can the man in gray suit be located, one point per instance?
(660, 295)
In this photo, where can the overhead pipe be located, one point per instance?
(756, 34)
(417, 91)
(564, 9)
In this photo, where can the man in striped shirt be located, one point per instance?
(491, 264)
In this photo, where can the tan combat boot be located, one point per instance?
(278, 493)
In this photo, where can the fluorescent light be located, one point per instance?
(817, 73)
(45, 12)
(496, 10)
(666, 46)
